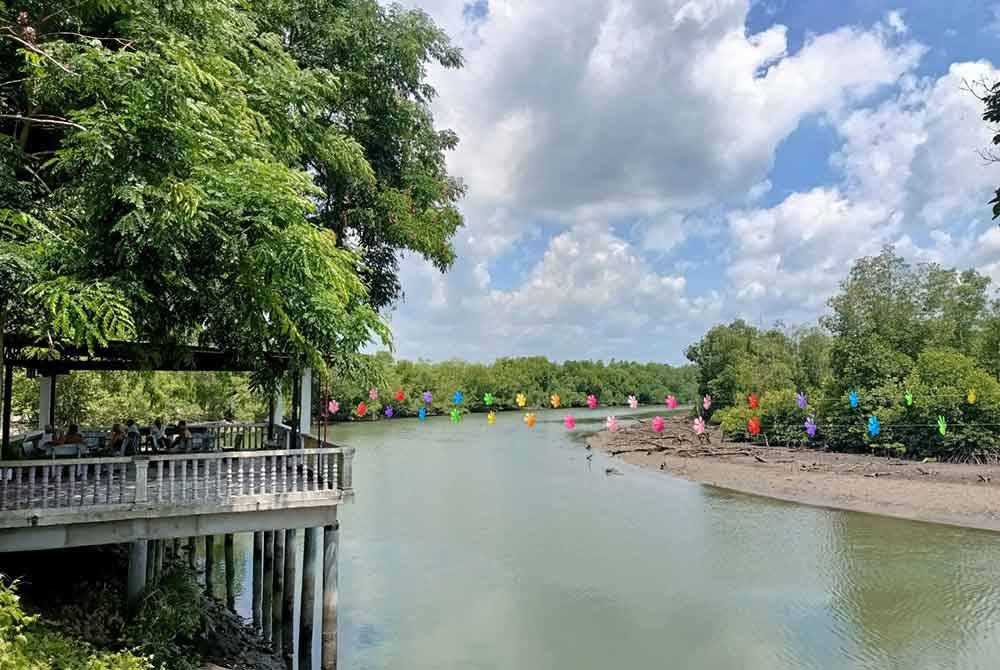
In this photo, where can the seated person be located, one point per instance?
(133, 438)
(72, 435)
(48, 437)
(182, 441)
(115, 439)
(158, 435)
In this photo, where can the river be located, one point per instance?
(502, 547)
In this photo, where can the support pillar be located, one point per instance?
(158, 566)
(150, 561)
(257, 579)
(267, 592)
(137, 553)
(307, 617)
(279, 591)
(176, 553)
(288, 602)
(278, 408)
(331, 535)
(191, 552)
(305, 403)
(210, 565)
(46, 402)
(230, 550)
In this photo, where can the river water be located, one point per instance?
(502, 547)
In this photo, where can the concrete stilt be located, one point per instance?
(160, 547)
(279, 590)
(258, 577)
(150, 561)
(307, 616)
(331, 535)
(288, 602)
(176, 553)
(230, 550)
(210, 565)
(191, 552)
(267, 587)
(137, 555)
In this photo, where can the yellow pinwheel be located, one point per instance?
(522, 400)
(491, 418)
(555, 400)
(971, 397)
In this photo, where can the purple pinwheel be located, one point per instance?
(428, 397)
(388, 411)
(801, 399)
(810, 426)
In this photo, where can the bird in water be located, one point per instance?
(611, 471)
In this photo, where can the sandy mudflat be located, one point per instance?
(938, 492)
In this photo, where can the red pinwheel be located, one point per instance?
(400, 396)
(753, 426)
(362, 408)
(753, 401)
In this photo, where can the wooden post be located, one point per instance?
(279, 590)
(329, 647)
(307, 616)
(267, 587)
(210, 565)
(258, 569)
(137, 555)
(288, 603)
(230, 572)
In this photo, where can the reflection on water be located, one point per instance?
(475, 546)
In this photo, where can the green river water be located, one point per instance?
(501, 547)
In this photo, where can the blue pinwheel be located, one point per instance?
(458, 397)
(853, 398)
(422, 414)
(874, 427)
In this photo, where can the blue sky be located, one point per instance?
(639, 170)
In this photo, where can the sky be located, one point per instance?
(641, 170)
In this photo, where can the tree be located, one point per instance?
(991, 101)
(159, 167)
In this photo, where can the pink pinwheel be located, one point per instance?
(707, 402)
(592, 401)
(373, 393)
(611, 423)
(632, 402)
(657, 424)
(699, 426)
(671, 402)
(569, 421)
(333, 407)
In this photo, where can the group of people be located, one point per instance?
(126, 441)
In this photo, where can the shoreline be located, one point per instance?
(945, 493)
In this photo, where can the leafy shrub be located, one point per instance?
(171, 616)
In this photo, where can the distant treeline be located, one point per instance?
(892, 329)
(536, 377)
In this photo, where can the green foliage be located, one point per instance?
(26, 644)
(536, 377)
(170, 617)
(780, 418)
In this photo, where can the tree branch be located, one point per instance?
(42, 120)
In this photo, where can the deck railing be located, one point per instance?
(173, 479)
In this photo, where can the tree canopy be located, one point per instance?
(235, 174)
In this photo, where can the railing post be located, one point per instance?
(345, 460)
(141, 480)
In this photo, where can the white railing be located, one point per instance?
(173, 479)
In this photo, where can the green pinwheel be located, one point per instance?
(456, 416)
(909, 399)
(488, 399)
(942, 425)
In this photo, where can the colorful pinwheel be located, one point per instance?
(908, 398)
(611, 423)
(699, 426)
(458, 397)
(422, 414)
(753, 426)
(491, 418)
(569, 421)
(555, 400)
(388, 411)
(874, 427)
(428, 397)
(706, 402)
(529, 420)
(801, 399)
(671, 402)
(853, 399)
(592, 401)
(373, 393)
(810, 426)
(632, 402)
(971, 396)
(333, 407)
(657, 424)
(753, 401)
(362, 408)
(488, 399)
(521, 399)
(942, 426)
(400, 396)
(456, 416)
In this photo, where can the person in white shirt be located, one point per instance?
(158, 434)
